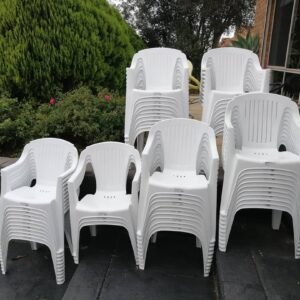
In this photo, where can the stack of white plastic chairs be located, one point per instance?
(36, 214)
(179, 185)
(156, 89)
(226, 73)
(257, 175)
(110, 205)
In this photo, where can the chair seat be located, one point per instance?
(164, 89)
(219, 94)
(178, 180)
(104, 202)
(267, 155)
(38, 194)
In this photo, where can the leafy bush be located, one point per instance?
(250, 42)
(16, 121)
(56, 45)
(78, 116)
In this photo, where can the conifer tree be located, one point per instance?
(55, 45)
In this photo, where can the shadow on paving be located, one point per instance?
(173, 269)
(259, 262)
(30, 274)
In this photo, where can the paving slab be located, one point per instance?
(239, 291)
(259, 262)
(280, 275)
(30, 274)
(174, 270)
(95, 257)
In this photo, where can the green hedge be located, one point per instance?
(79, 116)
(56, 45)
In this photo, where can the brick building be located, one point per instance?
(278, 24)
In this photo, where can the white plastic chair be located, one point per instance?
(179, 185)
(36, 214)
(257, 175)
(156, 89)
(226, 73)
(110, 205)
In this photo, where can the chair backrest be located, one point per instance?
(257, 118)
(228, 66)
(180, 139)
(110, 162)
(159, 65)
(50, 157)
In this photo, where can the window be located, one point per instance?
(280, 34)
(294, 50)
(284, 57)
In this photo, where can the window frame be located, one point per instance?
(284, 68)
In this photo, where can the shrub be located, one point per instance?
(250, 42)
(16, 122)
(78, 116)
(56, 45)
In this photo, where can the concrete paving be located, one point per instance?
(259, 262)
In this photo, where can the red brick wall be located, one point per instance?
(264, 15)
(260, 19)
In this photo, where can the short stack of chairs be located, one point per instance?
(110, 205)
(179, 185)
(226, 73)
(36, 214)
(257, 174)
(156, 89)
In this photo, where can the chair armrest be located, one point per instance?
(135, 79)
(62, 185)
(186, 89)
(181, 82)
(256, 79)
(206, 84)
(265, 81)
(214, 159)
(228, 147)
(75, 181)
(290, 131)
(135, 187)
(149, 164)
(16, 175)
(208, 157)
(152, 156)
(130, 78)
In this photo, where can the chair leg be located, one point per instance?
(154, 238)
(198, 243)
(93, 230)
(208, 258)
(222, 232)
(4, 241)
(276, 219)
(3, 254)
(58, 259)
(34, 246)
(140, 142)
(296, 229)
(132, 238)
(140, 250)
(75, 243)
